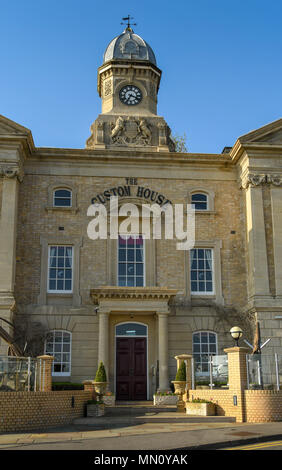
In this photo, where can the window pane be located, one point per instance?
(204, 337)
(199, 197)
(62, 193)
(139, 281)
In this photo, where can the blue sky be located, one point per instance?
(221, 63)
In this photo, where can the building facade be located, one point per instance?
(135, 303)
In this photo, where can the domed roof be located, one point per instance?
(129, 45)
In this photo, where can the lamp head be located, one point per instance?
(236, 333)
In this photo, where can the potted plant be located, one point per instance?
(100, 382)
(95, 408)
(200, 407)
(180, 379)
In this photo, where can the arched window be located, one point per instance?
(62, 197)
(200, 201)
(131, 329)
(204, 345)
(58, 344)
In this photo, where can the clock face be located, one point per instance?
(130, 95)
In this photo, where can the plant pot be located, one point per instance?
(160, 400)
(179, 386)
(109, 400)
(200, 409)
(96, 410)
(100, 387)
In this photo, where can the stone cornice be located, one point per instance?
(145, 293)
(83, 156)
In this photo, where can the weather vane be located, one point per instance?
(128, 19)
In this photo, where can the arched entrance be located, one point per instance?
(131, 361)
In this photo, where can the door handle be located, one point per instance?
(131, 372)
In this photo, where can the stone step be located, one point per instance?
(138, 410)
(108, 422)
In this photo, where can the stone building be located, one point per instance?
(135, 303)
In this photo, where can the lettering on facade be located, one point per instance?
(132, 190)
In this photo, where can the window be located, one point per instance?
(204, 345)
(131, 329)
(200, 201)
(62, 198)
(201, 264)
(58, 344)
(131, 261)
(60, 269)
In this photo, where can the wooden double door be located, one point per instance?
(131, 368)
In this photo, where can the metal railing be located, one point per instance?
(264, 371)
(19, 374)
(211, 371)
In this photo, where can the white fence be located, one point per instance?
(264, 371)
(211, 371)
(19, 374)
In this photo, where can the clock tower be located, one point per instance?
(128, 84)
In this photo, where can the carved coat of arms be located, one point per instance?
(131, 132)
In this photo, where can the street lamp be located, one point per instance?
(236, 333)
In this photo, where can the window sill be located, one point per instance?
(205, 212)
(63, 209)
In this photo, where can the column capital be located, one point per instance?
(163, 314)
(236, 349)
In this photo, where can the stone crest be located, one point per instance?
(130, 131)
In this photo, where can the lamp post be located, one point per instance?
(236, 333)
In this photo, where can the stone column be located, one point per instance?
(8, 232)
(257, 251)
(103, 347)
(276, 203)
(45, 378)
(163, 352)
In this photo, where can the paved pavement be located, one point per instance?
(146, 436)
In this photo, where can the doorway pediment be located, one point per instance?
(115, 299)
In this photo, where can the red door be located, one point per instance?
(131, 369)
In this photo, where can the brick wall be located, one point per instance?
(223, 400)
(24, 411)
(263, 406)
(253, 406)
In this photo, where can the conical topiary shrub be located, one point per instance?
(101, 375)
(181, 373)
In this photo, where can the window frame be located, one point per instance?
(134, 262)
(210, 199)
(64, 189)
(200, 193)
(58, 291)
(201, 373)
(46, 298)
(59, 374)
(199, 293)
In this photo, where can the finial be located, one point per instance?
(128, 19)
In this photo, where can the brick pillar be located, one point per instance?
(45, 378)
(237, 377)
(89, 387)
